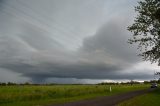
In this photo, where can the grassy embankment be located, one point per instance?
(42, 95)
(149, 99)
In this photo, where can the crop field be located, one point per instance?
(29, 95)
(149, 99)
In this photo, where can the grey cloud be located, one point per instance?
(112, 39)
(38, 38)
(98, 58)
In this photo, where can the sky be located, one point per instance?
(69, 41)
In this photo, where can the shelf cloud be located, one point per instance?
(51, 41)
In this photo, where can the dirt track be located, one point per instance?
(107, 100)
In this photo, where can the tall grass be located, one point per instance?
(40, 95)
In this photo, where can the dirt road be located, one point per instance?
(107, 100)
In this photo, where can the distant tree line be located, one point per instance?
(152, 81)
(103, 83)
(129, 82)
(28, 83)
(12, 83)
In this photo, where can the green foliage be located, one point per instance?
(146, 30)
(29, 95)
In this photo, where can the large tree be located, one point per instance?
(146, 30)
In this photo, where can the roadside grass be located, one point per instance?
(43, 95)
(149, 99)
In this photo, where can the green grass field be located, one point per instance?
(149, 99)
(42, 95)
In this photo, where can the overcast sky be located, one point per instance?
(69, 41)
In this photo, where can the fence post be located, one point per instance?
(110, 89)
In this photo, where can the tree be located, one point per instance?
(146, 30)
(157, 14)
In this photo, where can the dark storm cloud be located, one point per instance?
(2, 3)
(62, 70)
(103, 55)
